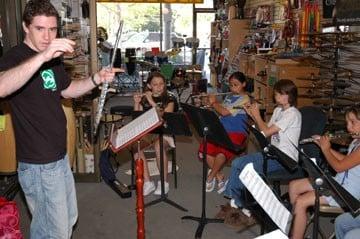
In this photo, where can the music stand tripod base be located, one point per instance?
(209, 127)
(170, 120)
(163, 196)
(203, 220)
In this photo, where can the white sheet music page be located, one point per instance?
(266, 198)
(134, 130)
(274, 234)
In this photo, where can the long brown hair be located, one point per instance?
(165, 96)
(355, 110)
(153, 75)
(287, 87)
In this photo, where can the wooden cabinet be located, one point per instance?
(266, 72)
(294, 72)
(238, 29)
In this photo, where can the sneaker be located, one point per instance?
(233, 204)
(158, 188)
(148, 188)
(210, 185)
(222, 186)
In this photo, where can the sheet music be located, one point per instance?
(266, 198)
(274, 234)
(135, 129)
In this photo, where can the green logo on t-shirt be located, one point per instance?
(48, 77)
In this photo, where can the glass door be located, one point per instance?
(203, 33)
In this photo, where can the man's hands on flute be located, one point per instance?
(106, 74)
(58, 47)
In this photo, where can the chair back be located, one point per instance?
(313, 123)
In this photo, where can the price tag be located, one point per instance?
(2, 123)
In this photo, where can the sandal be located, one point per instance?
(210, 185)
(222, 186)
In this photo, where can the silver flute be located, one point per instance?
(331, 136)
(105, 85)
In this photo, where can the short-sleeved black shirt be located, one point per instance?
(38, 118)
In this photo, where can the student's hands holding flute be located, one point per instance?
(322, 141)
(212, 99)
(252, 109)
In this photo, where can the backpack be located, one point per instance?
(108, 175)
(9, 220)
(106, 170)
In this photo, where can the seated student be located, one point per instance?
(347, 226)
(301, 192)
(156, 95)
(233, 117)
(284, 129)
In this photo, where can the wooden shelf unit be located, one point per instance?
(252, 65)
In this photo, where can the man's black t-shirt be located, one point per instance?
(38, 118)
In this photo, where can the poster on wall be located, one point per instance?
(328, 7)
(347, 12)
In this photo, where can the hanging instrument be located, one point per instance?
(105, 85)
(331, 136)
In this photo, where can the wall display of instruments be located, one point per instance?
(338, 85)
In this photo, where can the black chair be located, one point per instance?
(313, 122)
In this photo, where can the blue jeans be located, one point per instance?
(51, 197)
(235, 187)
(347, 227)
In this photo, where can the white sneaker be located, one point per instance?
(158, 188)
(148, 188)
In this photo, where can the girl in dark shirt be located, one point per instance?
(156, 95)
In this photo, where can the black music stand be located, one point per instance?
(272, 152)
(262, 216)
(208, 127)
(174, 124)
(325, 180)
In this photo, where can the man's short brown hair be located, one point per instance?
(35, 8)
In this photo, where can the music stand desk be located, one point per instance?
(209, 127)
(325, 180)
